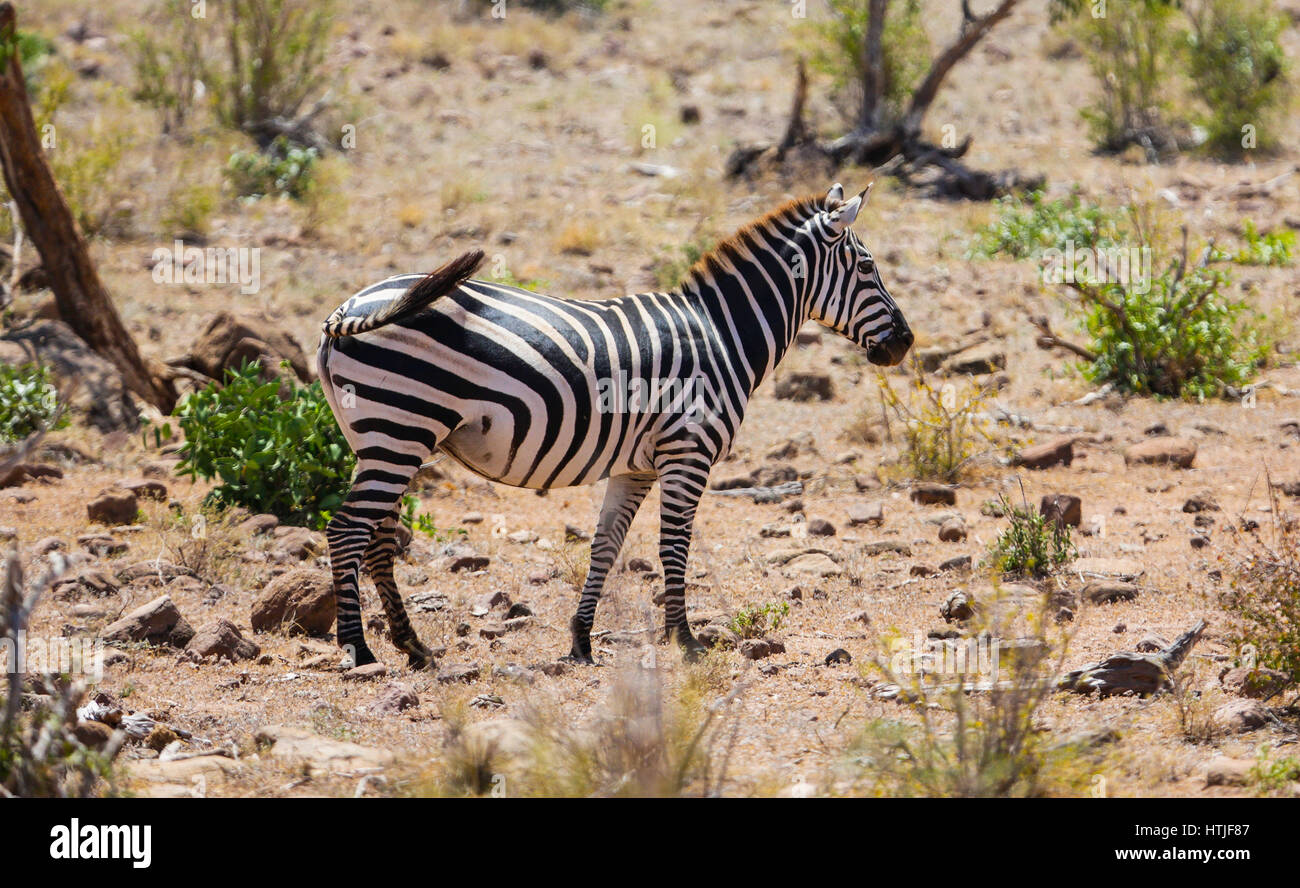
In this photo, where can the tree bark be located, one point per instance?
(873, 66)
(83, 302)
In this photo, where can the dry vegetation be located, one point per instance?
(519, 136)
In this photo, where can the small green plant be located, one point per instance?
(941, 428)
(670, 270)
(269, 451)
(1261, 248)
(28, 399)
(189, 210)
(1026, 226)
(1238, 67)
(283, 169)
(1032, 545)
(1272, 775)
(422, 522)
(507, 278)
(755, 622)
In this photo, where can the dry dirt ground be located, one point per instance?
(530, 159)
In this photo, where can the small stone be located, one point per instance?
(961, 562)
(1225, 771)
(1177, 452)
(860, 617)
(484, 604)
(880, 547)
(1150, 644)
(922, 570)
(147, 489)
(160, 737)
(367, 672)
(1109, 591)
(257, 525)
(957, 608)
(113, 507)
(102, 545)
(976, 362)
(472, 518)
(1241, 716)
(299, 600)
(718, 636)
(222, 639)
(1258, 683)
(396, 697)
(1201, 502)
(523, 536)
(297, 543)
(804, 387)
(1059, 452)
(1198, 541)
(820, 527)
(92, 734)
(469, 563)
(930, 494)
(640, 565)
(760, 648)
(1062, 508)
(459, 672)
(812, 564)
(866, 513)
(838, 656)
(573, 534)
(157, 622)
(953, 531)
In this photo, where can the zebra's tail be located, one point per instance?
(432, 286)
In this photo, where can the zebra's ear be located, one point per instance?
(838, 220)
(834, 197)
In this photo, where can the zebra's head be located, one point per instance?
(846, 291)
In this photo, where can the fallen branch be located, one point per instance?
(1047, 340)
(1129, 672)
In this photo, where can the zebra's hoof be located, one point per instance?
(420, 660)
(359, 655)
(693, 650)
(579, 658)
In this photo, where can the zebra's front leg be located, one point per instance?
(680, 486)
(379, 564)
(623, 497)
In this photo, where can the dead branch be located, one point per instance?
(1129, 672)
(1047, 339)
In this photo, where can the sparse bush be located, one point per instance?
(941, 429)
(89, 170)
(1274, 775)
(755, 622)
(1238, 66)
(1131, 52)
(168, 57)
(1032, 544)
(1263, 595)
(1026, 226)
(422, 522)
(1261, 248)
(28, 400)
(669, 270)
(189, 210)
(269, 452)
(284, 169)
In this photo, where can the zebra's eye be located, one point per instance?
(866, 266)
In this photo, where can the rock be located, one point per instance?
(88, 580)
(523, 536)
(459, 672)
(469, 563)
(923, 570)
(866, 482)
(880, 547)
(368, 672)
(961, 562)
(1258, 683)
(158, 622)
(838, 656)
(222, 638)
(396, 697)
(257, 525)
(957, 608)
(489, 600)
(1241, 716)
(297, 543)
(1062, 508)
(1150, 644)
(160, 737)
(102, 545)
(812, 564)
(113, 507)
(492, 630)
(319, 753)
(866, 513)
(146, 489)
(1199, 541)
(47, 545)
(930, 494)
(92, 734)
(1176, 452)
(541, 577)
(1059, 452)
(760, 648)
(976, 362)
(153, 572)
(472, 518)
(953, 531)
(717, 635)
(1201, 502)
(299, 600)
(804, 387)
(820, 527)
(1109, 591)
(1224, 771)
(640, 565)
(228, 341)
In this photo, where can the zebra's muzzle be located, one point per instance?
(892, 349)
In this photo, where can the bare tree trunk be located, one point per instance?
(82, 300)
(873, 66)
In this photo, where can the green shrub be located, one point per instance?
(755, 622)
(28, 399)
(1263, 595)
(670, 270)
(1032, 544)
(940, 429)
(905, 47)
(1027, 226)
(1262, 248)
(1237, 64)
(269, 452)
(1131, 52)
(283, 169)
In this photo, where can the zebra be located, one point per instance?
(513, 385)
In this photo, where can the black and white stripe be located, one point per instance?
(513, 384)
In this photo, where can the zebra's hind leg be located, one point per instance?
(379, 564)
(623, 497)
(681, 484)
(377, 487)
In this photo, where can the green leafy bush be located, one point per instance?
(28, 399)
(282, 169)
(1027, 226)
(904, 45)
(1237, 64)
(941, 431)
(1032, 544)
(1262, 248)
(269, 452)
(755, 622)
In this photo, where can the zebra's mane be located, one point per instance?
(796, 211)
